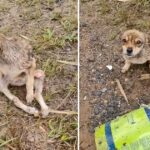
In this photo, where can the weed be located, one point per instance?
(48, 34)
(51, 68)
(71, 37)
(58, 130)
(69, 23)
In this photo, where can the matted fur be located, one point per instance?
(18, 67)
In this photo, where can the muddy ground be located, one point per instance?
(51, 25)
(102, 23)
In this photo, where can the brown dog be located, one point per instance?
(18, 67)
(136, 48)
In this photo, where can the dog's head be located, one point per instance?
(133, 42)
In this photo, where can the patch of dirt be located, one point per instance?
(51, 25)
(102, 23)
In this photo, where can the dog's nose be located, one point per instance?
(129, 50)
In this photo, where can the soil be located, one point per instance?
(101, 26)
(51, 25)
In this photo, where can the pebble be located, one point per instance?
(85, 98)
(109, 67)
(96, 111)
(104, 90)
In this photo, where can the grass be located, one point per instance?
(52, 27)
(51, 68)
(127, 15)
(58, 130)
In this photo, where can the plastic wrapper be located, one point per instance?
(128, 132)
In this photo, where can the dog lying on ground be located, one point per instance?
(136, 48)
(18, 67)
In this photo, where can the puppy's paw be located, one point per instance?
(34, 111)
(124, 70)
(29, 98)
(45, 112)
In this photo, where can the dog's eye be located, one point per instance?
(124, 40)
(138, 42)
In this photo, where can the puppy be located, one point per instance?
(135, 47)
(18, 67)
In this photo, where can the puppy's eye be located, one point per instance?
(139, 42)
(124, 40)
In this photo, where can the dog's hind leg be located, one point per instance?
(4, 89)
(38, 85)
(38, 88)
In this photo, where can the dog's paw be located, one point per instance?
(45, 112)
(29, 98)
(33, 111)
(124, 70)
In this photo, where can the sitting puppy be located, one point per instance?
(135, 48)
(18, 67)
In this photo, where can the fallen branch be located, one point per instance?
(62, 112)
(145, 76)
(67, 62)
(122, 91)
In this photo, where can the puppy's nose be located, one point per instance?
(129, 50)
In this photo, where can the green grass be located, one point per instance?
(60, 129)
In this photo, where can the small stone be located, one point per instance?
(112, 82)
(109, 67)
(104, 90)
(85, 97)
(96, 111)
(105, 101)
(93, 70)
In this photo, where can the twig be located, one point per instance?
(62, 112)
(64, 101)
(25, 37)
(10, 147)
(145, 76)
(3, 124)
(122, 91)
(67, 62)
(51, 141)
(6, 142)
(124, 0)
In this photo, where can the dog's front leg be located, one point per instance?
(30, 83)
(126, 66)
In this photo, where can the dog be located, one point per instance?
(136, 50)
(18, 68)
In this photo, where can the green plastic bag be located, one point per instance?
(128, 132)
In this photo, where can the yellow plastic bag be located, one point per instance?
(128, 132)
